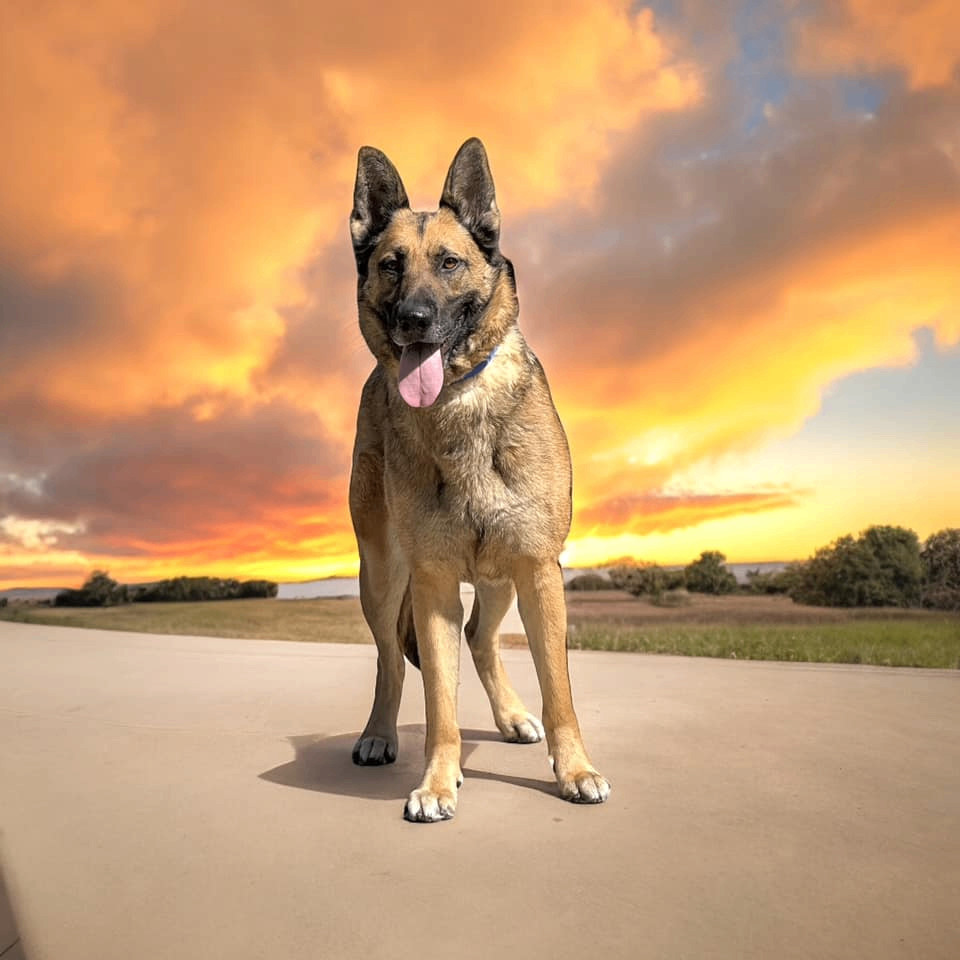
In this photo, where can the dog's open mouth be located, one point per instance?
(421, 373)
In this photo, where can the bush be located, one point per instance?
(941, 570)
(257, 588)
(675, 579)
(623, 575)
(710, 575)
(100, 590)
(942, 598)
(897, 553)
(589, 581)
(678, 597)
(881, 567)
(639, 579)
(771, 583)
(190, 589)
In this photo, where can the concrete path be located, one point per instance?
(177, 797)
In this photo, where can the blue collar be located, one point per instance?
(479, 368)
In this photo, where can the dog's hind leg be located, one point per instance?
(482, 631)
(384, 580)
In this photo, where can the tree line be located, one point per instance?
(100, 590)
(883, 566)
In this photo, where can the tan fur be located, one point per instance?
(475, 488)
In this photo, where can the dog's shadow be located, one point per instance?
(325, 763)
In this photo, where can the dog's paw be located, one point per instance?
(522, 728)
(584, 786)
(425, 806)
(371, 751)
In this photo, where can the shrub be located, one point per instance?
(881, 567)
(897, 553)
(639, 579)
(708, 574)
(189, 589)
(100, 590)
(675, 579)
(589, 581)
(769, 583)
(942, 598)
(678, 597)
(257, 588)
(623, 575)
(941, 570)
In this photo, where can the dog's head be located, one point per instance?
(434, 292)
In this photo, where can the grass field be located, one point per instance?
(330, 620)
(735, 627)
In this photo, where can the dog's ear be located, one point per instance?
(469, 193)
(377, 196)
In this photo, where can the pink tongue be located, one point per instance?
(421, 373)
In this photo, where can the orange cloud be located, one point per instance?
(177, 167)
(761, 368)
(182, 365)
(917, 36)
(545, 87)
(820, 260)
(173, 243)
(644, 513)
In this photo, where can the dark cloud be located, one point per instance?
(169, 479)
(321, 342)
(44, 320)
(918, 41)
(677, 248)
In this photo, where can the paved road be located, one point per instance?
(177, 797)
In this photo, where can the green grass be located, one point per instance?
(921, 640)
(888, 643)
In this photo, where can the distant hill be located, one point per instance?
(31, 594)
(328, 587)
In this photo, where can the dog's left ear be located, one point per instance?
(469, 193)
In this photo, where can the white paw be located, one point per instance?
(586, 786)
(526, 729)
(425, 806)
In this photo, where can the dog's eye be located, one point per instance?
(390, 267)
(450, 263)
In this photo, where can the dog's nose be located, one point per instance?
(415, 317)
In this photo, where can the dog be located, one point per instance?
(461, 472)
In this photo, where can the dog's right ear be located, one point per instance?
(377, 196)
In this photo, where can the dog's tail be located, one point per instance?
(406, 631)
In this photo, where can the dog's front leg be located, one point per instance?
(438, 617)
(544, 614)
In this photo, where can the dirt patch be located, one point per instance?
(614, 606)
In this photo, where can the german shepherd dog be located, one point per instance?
(461, 472)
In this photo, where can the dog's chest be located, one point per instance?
(462, 482)
(474, 484)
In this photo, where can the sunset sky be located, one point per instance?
(735, 225)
